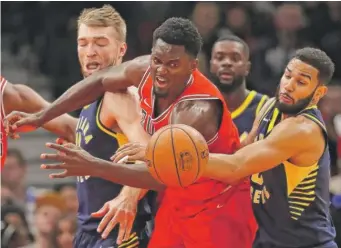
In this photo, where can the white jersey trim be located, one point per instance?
(2, 86)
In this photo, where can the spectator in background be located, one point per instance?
(49, 208)
(206, 17)
(69, 193)
(13, 176)
(268, 62)
(65, 231)
(14, 227)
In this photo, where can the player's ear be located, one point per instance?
(320, 92)
(123, 50)
(248, 68)
(194, 64)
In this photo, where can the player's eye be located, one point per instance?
(173, 65)
(82, 43)
(287, 76)
(156, 61)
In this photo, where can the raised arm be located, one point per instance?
(297, 139)
(113, 79)
(18, 97)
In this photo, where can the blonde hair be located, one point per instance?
(106, 16)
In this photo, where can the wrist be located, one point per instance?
(40, 118)
(131, 193)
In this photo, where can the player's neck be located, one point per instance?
(235, 98)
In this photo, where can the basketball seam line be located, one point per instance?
(174, 156)
(154, 155)
(199, 161)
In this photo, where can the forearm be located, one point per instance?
(223, 168)
(27, 100)
(63, 126)
(135, 175)
(135, 193)
(135, 133)
(79, 95)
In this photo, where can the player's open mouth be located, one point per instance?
(93, 66)
(161, 82)
(285, 98)
(225, 75)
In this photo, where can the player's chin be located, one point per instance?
(160, 92)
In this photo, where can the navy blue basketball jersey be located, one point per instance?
(291, 203)
(94, 192)
(245, 114)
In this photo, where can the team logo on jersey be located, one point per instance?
(82, 135)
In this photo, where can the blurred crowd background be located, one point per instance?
(38, 48)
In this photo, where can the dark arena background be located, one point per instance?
(39, 49)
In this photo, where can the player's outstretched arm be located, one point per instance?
(113, 79)
(203, 115)
(19, 97)
(292, 137)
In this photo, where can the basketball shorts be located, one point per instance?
(227, 223)
(93, 240)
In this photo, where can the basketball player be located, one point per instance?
(229, 67)
(101, 44)
(290, 161)
(172, 90)
(22, 98)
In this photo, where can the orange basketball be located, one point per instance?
(177, 155)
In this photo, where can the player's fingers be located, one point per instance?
(129, 227)
(20, 122)
(121, 231)
(59, 175)
(106, 220)
(127, 153)
(59, 166)
(128, 146)
(57, 157)
(100, 213)
(67, 149)
(125, 146)
(111, 225)
(61, 141)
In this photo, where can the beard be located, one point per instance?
(227, 87)
(159, 93)
(292, 109)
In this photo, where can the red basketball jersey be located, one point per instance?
(225, 141)
(3, 137)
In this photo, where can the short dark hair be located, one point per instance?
(181, 32)
(235, 38)
(318, 59)
(12, 152)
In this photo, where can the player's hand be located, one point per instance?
(130, 152)
(72, 159)
(21, 122)
(121, 210)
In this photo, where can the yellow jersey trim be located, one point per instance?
(261, 103)
(121, 138)
(244, 105)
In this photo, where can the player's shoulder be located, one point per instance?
(299, 127)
